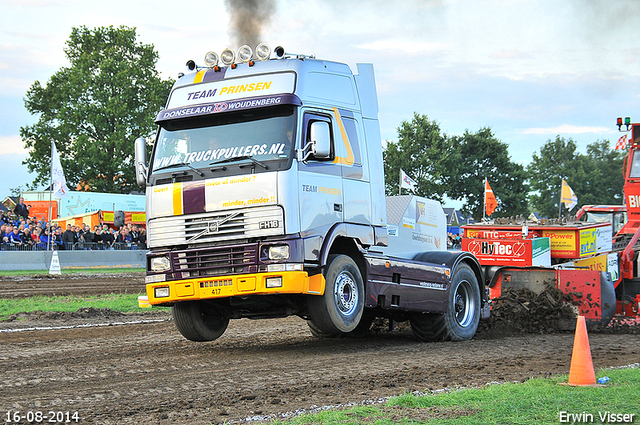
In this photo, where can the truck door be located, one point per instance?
(320, 184)
(352, 156)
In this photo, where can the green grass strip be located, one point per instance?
(87, 270)
(536, 401)
(126, 303)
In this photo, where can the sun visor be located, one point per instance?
(236, 105)
(212, 97)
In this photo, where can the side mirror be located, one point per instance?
(141, 161)
(320, 139)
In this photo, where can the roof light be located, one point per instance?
(211, 59)
(245, 53)
(263, 51)
(227, 56)
(627, 121)
(279, 51)
(191, 65)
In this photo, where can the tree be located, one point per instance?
(94, 109)
(596, 178)
(422, 152)
(605, 182)
(478, 156)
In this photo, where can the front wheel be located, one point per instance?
(460, 321)
(197, 321)
(340, 309)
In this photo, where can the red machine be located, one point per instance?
(594, 260)
(614, 214)
(628, 286)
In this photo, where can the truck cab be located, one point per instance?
(265, 198)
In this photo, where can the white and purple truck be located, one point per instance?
(265, 198)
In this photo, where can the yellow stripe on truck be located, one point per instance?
(294, 282)
(177, 199)
(199, 76)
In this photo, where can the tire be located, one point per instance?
(340, 308)
(320, 334)
(361, 331)
(198, 322)
(460, 321)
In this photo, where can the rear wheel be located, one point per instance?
(461, 319)
(340, 309)
(197, 321)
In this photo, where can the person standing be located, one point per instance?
(21, 209)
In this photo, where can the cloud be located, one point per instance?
(12, 145)
(566, 128)
(403, 45)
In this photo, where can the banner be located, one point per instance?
(59, 188)
(567, 196)
(490, 202)
(407, 182)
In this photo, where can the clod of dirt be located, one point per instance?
(523, 311)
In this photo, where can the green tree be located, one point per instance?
(605, 181)
(94, 109)
(596, 178)
(481, 155)
(423, 153)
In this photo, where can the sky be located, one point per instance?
(530, 70)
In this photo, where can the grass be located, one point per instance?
(536, 401)
(126, 303)
(72, 271)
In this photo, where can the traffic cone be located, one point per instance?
(581, 372)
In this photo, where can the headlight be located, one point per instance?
(274, 282)
(279, 252)
(245, 53)
(263, 51)
(162, 292)
(227, 57)
(211, 59)
(160, 264)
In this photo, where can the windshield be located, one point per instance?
(260, 136)
(635, 165)
(617, 219)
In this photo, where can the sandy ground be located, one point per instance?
(113, 368)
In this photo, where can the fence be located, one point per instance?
(78, 246)
(41, 260)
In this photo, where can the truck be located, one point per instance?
(614, 214)
(265, 199)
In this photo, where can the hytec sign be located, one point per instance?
(514, 252)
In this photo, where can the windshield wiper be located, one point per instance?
(241, 158)
(181, 164)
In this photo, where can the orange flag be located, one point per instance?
(490, 202)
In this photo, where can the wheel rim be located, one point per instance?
(346, 293)
(463, 304)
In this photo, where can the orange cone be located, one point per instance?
(581, 372)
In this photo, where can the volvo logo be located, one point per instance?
(213, 226)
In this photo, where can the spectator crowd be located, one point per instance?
(21, 232)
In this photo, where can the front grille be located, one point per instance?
(216, 261)
(213, 228)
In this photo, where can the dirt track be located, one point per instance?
(147, 373)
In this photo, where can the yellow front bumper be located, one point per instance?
(293, 282)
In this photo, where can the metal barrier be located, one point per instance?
(78, 246)
(41, 260)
